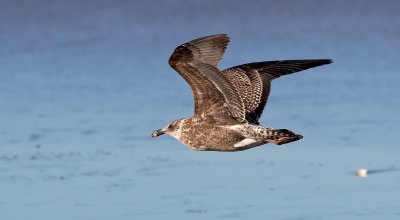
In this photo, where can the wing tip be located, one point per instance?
(326, 61)
(321, 62)
(315, 61)
(312, 62)
(224, 37)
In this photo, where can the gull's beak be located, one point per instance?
(157, 133)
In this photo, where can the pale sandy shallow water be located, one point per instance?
(82, 85)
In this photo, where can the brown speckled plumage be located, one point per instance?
(228, 103)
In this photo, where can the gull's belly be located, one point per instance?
(215, 138)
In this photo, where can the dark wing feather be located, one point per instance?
(253, 81)
(213, 94)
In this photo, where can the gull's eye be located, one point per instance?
(172, 125)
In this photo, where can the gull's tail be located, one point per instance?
(271, 135)
(282, 136)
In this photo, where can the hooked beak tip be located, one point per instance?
(157, 133)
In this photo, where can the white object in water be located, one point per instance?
(362, 172)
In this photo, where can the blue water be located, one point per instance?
(84, 83)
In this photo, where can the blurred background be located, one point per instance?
(84, 83)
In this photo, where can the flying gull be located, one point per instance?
(228, 104)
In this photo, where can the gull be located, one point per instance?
(228, 104)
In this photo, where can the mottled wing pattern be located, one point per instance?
(208, 50)
(196, 62)
(253, 81)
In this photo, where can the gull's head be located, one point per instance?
(173, 129)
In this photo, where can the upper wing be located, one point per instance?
(253, 81)
(196, 62)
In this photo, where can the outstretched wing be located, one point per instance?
(196, 62)
(253, 81)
